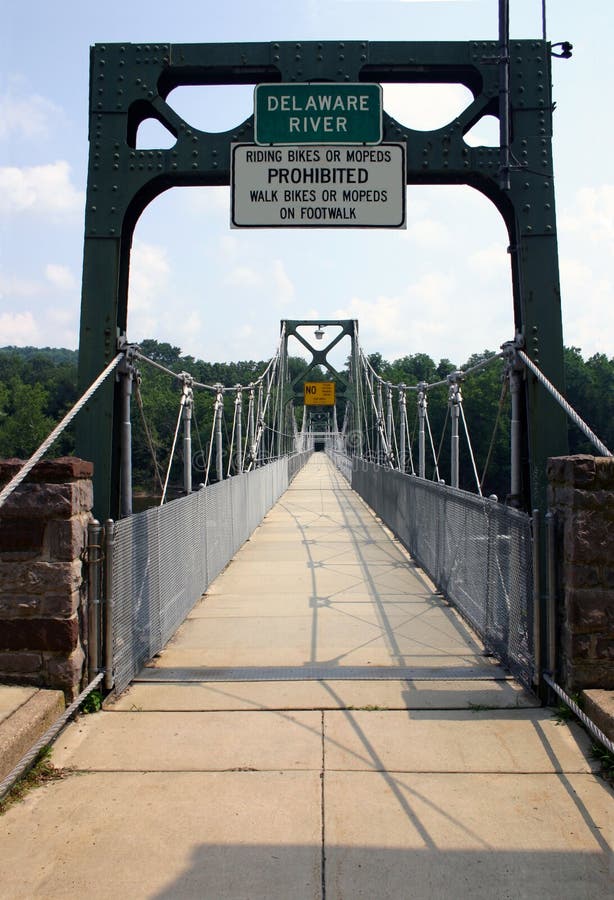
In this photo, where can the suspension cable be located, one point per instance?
(504, 387)
(170, 460)
(150, 444)
(57, 431)
(573, 415)
(428, 425)
(472, 457)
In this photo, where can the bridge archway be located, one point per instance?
(131, 83)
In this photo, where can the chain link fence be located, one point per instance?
(165, 558)
(477, 551)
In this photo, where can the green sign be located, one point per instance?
(318, 113)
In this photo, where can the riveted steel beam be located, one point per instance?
(130, 83)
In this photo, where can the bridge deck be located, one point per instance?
(258, 757)
(322, 592)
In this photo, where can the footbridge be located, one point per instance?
(361, 448)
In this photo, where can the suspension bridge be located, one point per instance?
(324, 661)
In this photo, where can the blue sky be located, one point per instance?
(441, 286)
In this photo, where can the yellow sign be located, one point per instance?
(319, 393)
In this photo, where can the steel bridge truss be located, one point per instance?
(131, 83)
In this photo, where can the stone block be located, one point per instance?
(39, 577)
(65, 672)
(588, 540)
(604, 472)
(591, 611)
(580, 470)
(61, 606)
(604, 648)
(67, 538)
(20, 661)
(590, 675)
(39, 634)
(65, 468)
(555, 469)
(21, 536)
(583, 576)
(42, 501)
(599, 706)
(20, 606)
(581, 648)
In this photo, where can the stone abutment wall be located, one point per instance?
(581, 494)
(43, 535)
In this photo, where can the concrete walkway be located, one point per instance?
(322, 726)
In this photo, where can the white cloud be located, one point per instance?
(26, 117)
(586, 241)
(43, 190)
(428, 233)
(150, 278)
(19, 329)
(243, 276)
(425, 106)
(491, 263)
(592, 214)
(12, 287)
(60, 277)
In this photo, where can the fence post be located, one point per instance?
(94, 572)
(537, 674)
(109, 546)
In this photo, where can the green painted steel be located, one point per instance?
(318, 113)
(130, 83)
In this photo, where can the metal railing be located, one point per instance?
(477, 552)
(159, 562)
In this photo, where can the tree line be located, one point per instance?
(39, 385)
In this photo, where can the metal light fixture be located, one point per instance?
(319, 333)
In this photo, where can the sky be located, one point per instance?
(442, 286)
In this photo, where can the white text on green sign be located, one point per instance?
(318, 113)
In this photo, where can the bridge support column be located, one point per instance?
(43, 534)
(581, 495)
